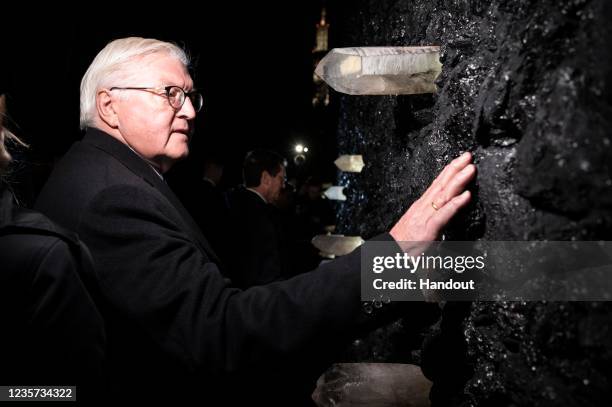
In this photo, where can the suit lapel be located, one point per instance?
(141, 168)
(163, 187)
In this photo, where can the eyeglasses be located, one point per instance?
(175, 94)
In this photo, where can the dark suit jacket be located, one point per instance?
(206, 203)
(172, 319)
(52, 333)
(257, 232)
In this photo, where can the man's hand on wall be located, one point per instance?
(446, 195)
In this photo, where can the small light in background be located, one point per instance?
(299, 154)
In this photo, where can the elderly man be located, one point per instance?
(173, 321)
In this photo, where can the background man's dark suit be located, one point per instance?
(170, 314)
(257, 231)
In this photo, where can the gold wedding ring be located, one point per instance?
(434, 205)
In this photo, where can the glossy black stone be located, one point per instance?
(525, 86)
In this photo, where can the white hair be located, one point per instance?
(5, 157)
(6, 136)
(110, 68)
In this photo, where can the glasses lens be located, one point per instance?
(176, 97)
(196, 100)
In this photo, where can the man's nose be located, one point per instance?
(187, 111)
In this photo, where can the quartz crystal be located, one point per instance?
(381, 70)
(372, 384)
(335, 193)
(350, 163)
(337, 245)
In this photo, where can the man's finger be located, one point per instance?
(443, 215)
(455, 186)
(454, 167)
(448, 173)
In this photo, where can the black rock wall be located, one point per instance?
(526, 87)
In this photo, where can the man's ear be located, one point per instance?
(265, 179)
(106, 108)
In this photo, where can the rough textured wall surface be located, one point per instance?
(525, 86)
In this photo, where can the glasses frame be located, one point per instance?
(165, 91)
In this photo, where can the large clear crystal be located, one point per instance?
(381, 70)
(372, 384)
(350, 163)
